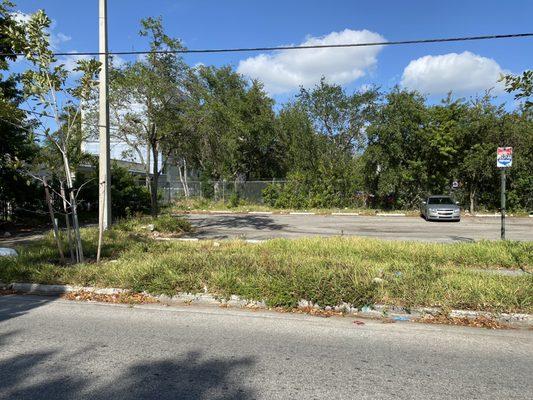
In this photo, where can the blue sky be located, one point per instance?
(466, 67)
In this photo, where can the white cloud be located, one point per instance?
(70, 62)
(286, 70)
(61, 37)
(56, 38)
(20, 17)
(117, 61)
(461, 73)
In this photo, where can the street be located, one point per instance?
(55, 349)
(215, 226)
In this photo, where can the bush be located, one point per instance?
(234, 200)
(128, 196)
(169, 224)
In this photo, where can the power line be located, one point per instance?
(301, 47)
(52, 117)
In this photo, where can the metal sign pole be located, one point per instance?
(504, 160)
(503, 203)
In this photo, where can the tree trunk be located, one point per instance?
(67, 223)
(52, 217)
(472, 195)
(155, 176)
(74, 208)
(147, 178)
(183, 178)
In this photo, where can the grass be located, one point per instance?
(197, 204)
(201, 204)
(281, 272)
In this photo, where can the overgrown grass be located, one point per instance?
(281, 272)
(198, 204)
(202, 205)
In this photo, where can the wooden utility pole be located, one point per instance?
(104, 198)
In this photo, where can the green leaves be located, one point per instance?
(522, 84)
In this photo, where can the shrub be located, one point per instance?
(234, 200)
(169, 224)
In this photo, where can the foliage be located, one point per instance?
(17, 142)
(323, 135)
(231, 126)
(128, 196)
(335, 148)
(168, 224)
(522, 84)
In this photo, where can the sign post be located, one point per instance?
(504, 160)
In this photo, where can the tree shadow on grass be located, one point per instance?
(46, 375)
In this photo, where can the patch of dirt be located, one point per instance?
(477, 322)
(120, 298)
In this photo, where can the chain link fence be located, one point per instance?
(222, 190)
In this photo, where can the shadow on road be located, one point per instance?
(189, 377)
(461, 239)
(211, 226)
(12, 306)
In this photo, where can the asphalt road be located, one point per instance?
(55, 349)
(247, 226)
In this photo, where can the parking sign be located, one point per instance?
(504, 158)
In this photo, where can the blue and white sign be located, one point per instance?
(504, 158)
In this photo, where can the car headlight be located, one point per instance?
(432, 210)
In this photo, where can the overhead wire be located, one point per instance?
(289, 47)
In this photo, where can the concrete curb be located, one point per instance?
(37, 288)
(347, 214)
(222, 212)
(376, 311)
(391, 215)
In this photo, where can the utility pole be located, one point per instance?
(104, 198)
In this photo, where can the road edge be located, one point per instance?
(206, 299)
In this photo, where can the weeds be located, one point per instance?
(281, 272)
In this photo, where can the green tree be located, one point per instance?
(395, 168)
(49, 85)
(17, 145)
(522, 84)
(233, 125)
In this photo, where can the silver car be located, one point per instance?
(440, 208)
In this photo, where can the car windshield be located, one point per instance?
(440, 200)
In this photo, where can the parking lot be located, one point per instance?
(247, 226)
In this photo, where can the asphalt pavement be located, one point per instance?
(248, 226)
(56, 349)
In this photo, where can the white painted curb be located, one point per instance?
(390, 215)
(302, 213)
(261, 212)
(346, 213)
(487, 215)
